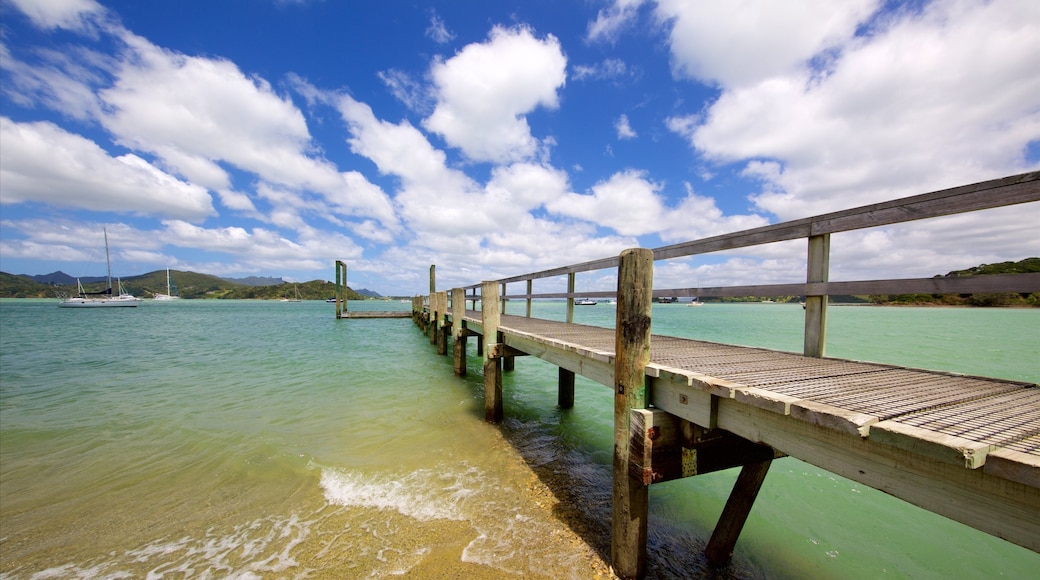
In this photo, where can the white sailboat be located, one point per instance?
(296, 299)
(104, 298)
(169, 290)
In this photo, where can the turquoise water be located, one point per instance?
(258, 439)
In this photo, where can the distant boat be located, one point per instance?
(331, 300)
(585, 302)
(169, 290)
(104, 298)
(695, 302)
(297, 294)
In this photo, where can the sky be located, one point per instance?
(273, 137)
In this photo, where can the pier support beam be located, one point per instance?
(734, 515)
(632, 353)
(565, 399)
(458, 330)
(490, 318)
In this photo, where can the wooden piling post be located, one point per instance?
(458, 330)
(816, 306)
(632, 353)
(433, 290)
(441, 324)
(565, 397)
(341, 289)
(492, 362)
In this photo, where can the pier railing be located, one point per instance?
(1007, 191)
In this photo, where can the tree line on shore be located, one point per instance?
(189, 285)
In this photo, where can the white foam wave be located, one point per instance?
(424, 494)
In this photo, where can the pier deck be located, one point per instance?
(965, 447)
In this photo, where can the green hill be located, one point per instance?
(189, 285)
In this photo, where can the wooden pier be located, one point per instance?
(965, 447)
(341, 300)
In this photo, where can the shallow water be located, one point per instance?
(267, 439)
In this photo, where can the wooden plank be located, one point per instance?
(950, 448)
(673, 390)
(995, 283)
(831, 417)
(378, 314)
(599, 369)
(1014, 465)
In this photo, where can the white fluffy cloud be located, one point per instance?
(739, 42)
(195, 113)
(485, 90)
(946, 96)
(627, 202)
(44, 163)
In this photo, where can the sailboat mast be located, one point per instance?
(108, 260)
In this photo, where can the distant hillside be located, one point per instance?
(256, 281)
(369, 293)
(1026, 266)
(982, 299)
(188, 285)
(60, 278)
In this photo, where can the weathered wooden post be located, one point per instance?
(632, 353)
(816, 306)
(570, 298)
(458, 330)
(433, 315)
(441, 325)
(530, 290)
(341, 288)
(492, 362)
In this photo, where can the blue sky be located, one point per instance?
(252, 137)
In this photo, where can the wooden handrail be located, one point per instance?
(1006, 191)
